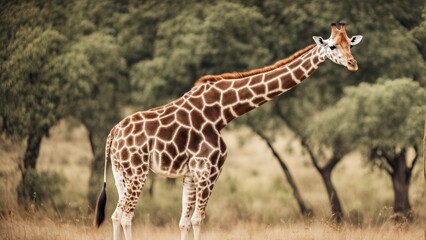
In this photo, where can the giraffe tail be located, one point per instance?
(101, 202)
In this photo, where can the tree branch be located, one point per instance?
(416, 156)
(311, 155)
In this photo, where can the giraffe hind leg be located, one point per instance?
(116, 216)
(133, 190)
(188, 203)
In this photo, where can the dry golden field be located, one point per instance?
(18, 229)
(251, 200)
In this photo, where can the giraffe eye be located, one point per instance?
(332, 47)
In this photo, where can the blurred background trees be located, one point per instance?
(95, 60)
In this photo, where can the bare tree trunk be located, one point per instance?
(325, 172)
(32, 151)
(336, 208)
(400, 174)
(306, 211)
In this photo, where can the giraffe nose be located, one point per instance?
(352, 62)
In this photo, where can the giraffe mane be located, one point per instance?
(236, 75)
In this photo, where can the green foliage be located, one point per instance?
(387, 114)
(40, 189)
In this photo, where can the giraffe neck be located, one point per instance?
(241, 95)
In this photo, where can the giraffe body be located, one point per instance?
(182, 138)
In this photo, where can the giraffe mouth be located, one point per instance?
(353, 68)
(352, 65)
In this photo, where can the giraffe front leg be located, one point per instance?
(204, 181)
(188, 202)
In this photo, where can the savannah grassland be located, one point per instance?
(251, 200)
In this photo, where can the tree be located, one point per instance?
(384, 120)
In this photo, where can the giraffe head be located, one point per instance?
(338, 46)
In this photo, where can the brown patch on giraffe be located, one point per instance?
(171, 149)
(139, 171)
(210, 134)
(183, 118)
(196, 102)
(166, 133)
(181, 138)
(229, 76)
(259, 89)
(256, 80)
(245, 94)
(124, 154)
(197, 92)
(212, 113)
(294, 64)
(259, 100)
(194, 141)
(306, 64)
(276, 73)
(129, 140)
(221, 162)
(179, 101)
(120, 144)
(315, 59)
(128, 130)
(206, 193)
(168, 110)
(273, 85)
(137, 128)
(201, 164)
(151, 127)
(214, 157)
(140, 139)
(150, 114)
(223, 85)
(287, 81)
(136, 160)
(144, 167)
(242, 108)
(159, 145)
(165, 162)
(125, 122)
(197, 119)
(311, 71)
(136, 117)
(167, 120)
(129, 171)
(299, 74)
(229, 97)
(240, 83)
(211, 96)
(274, 94)
(187, 106)
(228, 115)
(192, 163)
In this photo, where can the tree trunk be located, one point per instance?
(24, 192)
(325, 172)
(304, 210)
(336, 208)
(96, 169)
(32, 150)
(400, 182)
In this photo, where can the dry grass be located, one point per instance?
(20, 229)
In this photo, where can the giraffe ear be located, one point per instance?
(356, 39)
(319, 40)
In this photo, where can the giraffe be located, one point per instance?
(182, 139)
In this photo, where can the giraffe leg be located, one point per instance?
(204, 183)
(188, 202)
(133, 190)
(116, 216)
